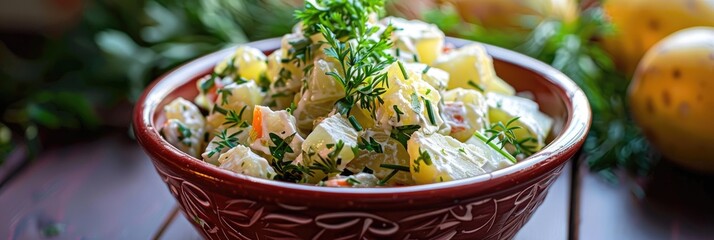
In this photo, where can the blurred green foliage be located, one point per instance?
(614, 139)
(73, 81)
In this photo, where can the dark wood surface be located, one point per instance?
(108, 189)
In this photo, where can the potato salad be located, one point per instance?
(352, 100)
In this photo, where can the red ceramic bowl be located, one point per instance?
(224, 205)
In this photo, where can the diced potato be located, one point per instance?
(323, 140)
(409, 96)
(472, 63)
(222, 141)
(280, 123)
(415, 37)
(438, 158)
(466, 110)
(247, 63)
(234, 97)
(392, 153)
(242, 160)
(533, 123)
(184, 127)
(318, 96)
(437, 78)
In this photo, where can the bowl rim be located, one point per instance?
(576, 126)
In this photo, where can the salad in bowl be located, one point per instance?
(351, 100)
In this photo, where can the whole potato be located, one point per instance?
(671, 97)
(642, 23)
(514, 14)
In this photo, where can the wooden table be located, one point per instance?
(108, 189)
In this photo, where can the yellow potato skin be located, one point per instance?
(510, 14)
(670, 97)
(639, 24)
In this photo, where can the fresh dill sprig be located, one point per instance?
(361, 64)
(506, 135)
(347, 19)
(285, 170)
(493, 145)
(234, 119)
(330, 164)
(225, 141)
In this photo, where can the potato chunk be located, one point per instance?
(247, 63)
(438, 158)
(534, 124)
(472, 63)
(242, 160)
(184, 127)
(409, 101)
(416, 40)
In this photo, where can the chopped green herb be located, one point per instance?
(352, 181)
(404, 72)
(387, 178)
(369, 145)
(416, 104)
(233, 119)
(403, 133)
(426, 69)
(224, 141)
(506, 134)
(225, 93)
(292, 108)
(354, 123)
(495, 147)
(395, 167)
(430, 111)
(399, 113)
(476, 86)
(208, 83)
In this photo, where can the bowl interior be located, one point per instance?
(557, 96)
